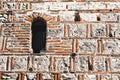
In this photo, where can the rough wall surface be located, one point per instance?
(95, 39)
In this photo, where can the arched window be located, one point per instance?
(39, 28)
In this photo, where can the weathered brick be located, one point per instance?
(58, 45)
(55, 31)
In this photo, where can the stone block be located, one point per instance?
(62, 64)
(99, 64)
(87, 46)
(39, 7)
(99, 30)
(115, 76)
(77, 30)
(68, 76)
(81, 64)
(90, 77)
(111, 46)
(41, 63)
(115, 30)
(3, 63)
(88, 17)
(115, 64)
(20, 63)
(96, 5)
(55, 31)
(77, 6)
(10, 76)
(66, 15)
(113, 5)
(108, 17)
(57, 6)
(106, 77)
(47, 76)
(30, 76)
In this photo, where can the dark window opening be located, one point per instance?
(77, 16)
(39, 26)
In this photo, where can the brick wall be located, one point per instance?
(95, 40)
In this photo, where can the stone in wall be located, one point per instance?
(66, 15)
(77, 30)
(115, 30)
(20, 63)
(55, 31)
(47, 76)
(10, 76)
(77, 6)
(41, 63)
(99, 64)
(106, 77)
(9, 5)
(113, 5)
(88, 17)
(99, 30)
(115, 76)
(40, 7)
(115, 64)
(30, 76)
(57, 6)
(90, 77)
(108, 17)
(68, 76)
(87, 45)
(62, 64)
(111, 46)
(81, 64)
(96, 5)
(3, 63)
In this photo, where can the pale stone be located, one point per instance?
(99, 64)
(62, 64)
(106, 77)
(99, 30)
(77, 30)
(87, 45)
(111, 46)
(20, 63)
(90, 77)
(81, 64)
(115, 64)
(41, 63)
(68, 76)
